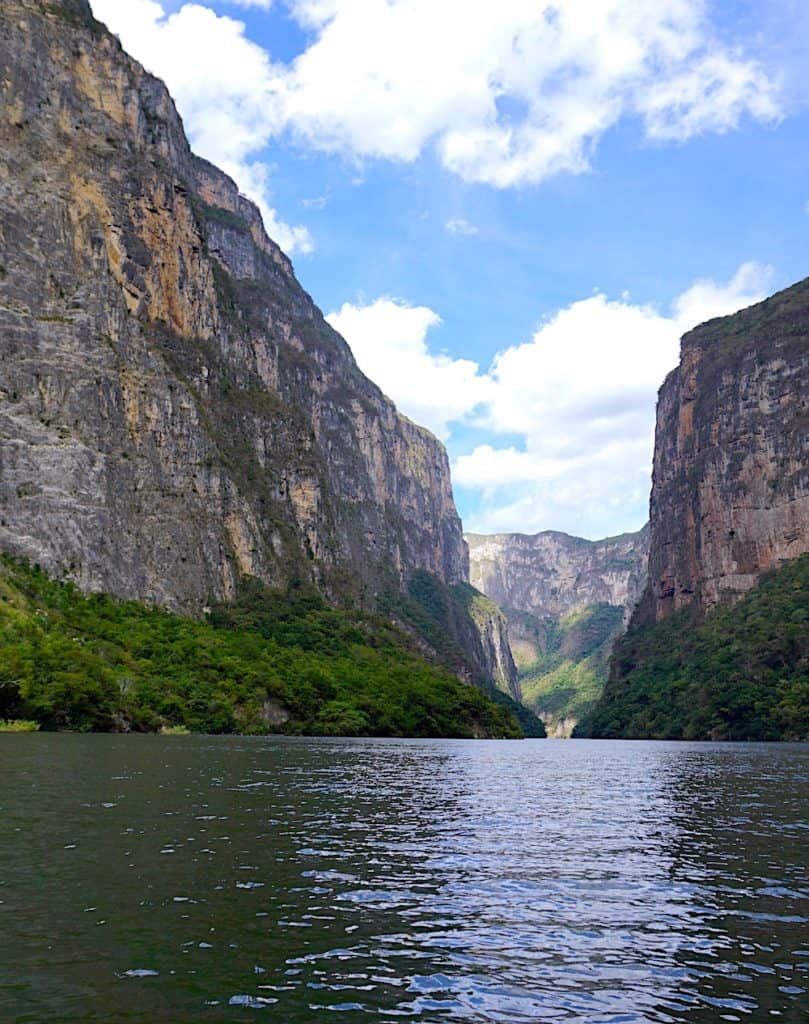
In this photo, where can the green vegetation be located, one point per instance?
(479, 607)
(219, 215)
(443, 617)
(19, 725)
(742, 674)
(271, 662)
(567, 678)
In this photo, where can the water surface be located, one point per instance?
(185, 879)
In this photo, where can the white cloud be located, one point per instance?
(253, 181)
(506, 94)
(710, 96)
(511, 92)
(579, 396)
(220, 82)
(705, 300)
(263, 5)
(388, 339)
(460, 226)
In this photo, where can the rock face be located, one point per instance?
(553, 574)
(491, 639)
(566, 599)
(174, 410)
(730, 501)
(496, 657)
(730, 493)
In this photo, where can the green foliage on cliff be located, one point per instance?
(444, 617)
(742, 674)
(568, 677)
(270, 662)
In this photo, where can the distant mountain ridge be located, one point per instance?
(566, 599)
(556, 573)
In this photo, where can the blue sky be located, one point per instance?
(511, 211)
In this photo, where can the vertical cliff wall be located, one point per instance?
(730, 492)
(712, 652)
(174, 410)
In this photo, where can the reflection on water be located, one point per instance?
(210, 879)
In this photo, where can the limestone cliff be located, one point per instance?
(730, 493)
(491, 640)
(174, 410)
(553, 573)
(566, 599)
(496, 656)
(709, 654)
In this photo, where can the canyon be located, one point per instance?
(566, 600)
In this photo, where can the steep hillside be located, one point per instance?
(469, 632)
(730, 502)
(175, 410)
(566, 600)
(741, 674)
(268, 662)
(175, 413)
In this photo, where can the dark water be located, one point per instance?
(180, 879)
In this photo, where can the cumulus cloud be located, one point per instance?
(579, 397)
(220, 82)
(705, 300)
(389, 341)
(505, 94)
(510, 93)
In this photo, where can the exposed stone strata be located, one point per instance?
(174, 410)
(498, 660)
(552, 574)
(543, 582)
(730, 494)
(493, 645)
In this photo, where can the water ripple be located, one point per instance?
(478, 882)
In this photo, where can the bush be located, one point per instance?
(99, 664)
(741, 674)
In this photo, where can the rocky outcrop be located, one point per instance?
(497, 660)
(467, 629)
(495, 648)
(566, 599)
(730, 493)
(174, 410)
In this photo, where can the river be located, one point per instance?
(184, 879)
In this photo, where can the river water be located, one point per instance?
(185, 879)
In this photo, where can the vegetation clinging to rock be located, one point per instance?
(742, 674)
(271, 662)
